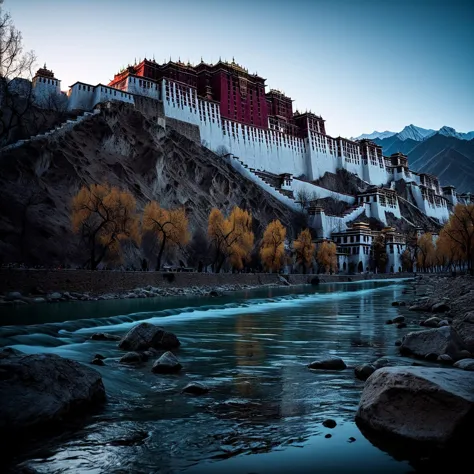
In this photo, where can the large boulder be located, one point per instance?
(146, 335)
(418, 403)
(444, 340)
(465, 364)
(44, 389)
(465, 328)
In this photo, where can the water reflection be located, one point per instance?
(251, 348)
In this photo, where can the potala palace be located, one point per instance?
(283, 150)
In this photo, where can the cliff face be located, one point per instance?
(124, 148)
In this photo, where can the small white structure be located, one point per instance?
(355, 252)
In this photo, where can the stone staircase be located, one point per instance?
(353, 212)
(273, 180)
(58, 130)
(267, 179)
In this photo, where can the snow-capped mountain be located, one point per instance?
(450, 132)
(413, 132)
(375, 134)
(418, 134)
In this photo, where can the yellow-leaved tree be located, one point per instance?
(326, 256)
(304, 249)
(105, 216)
(232, 237)
(170, 227)
(448, 252)
(426, 251)
(460, 231)
(272, 250)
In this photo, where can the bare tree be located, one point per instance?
(303, 197)
(16, 72)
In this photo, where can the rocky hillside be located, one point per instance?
(123, 147)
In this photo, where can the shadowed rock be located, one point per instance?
(146, 335)
(418, 403)
(102, 336)
(437, 341)
(465, 328)
(465, 364)
(333, 363)
(167, 364)
(195, 388)
(131, 358)
(44, 389)
(363, 372)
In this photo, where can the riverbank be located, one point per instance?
(451, 298)
(20, 286)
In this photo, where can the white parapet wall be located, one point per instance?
(298, 185)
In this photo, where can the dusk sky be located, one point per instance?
(363, 65)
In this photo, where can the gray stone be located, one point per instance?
(97, 361)
(364, 371)
(443, 322)
(103, 336)
(333, 363)
(398, 319)
(38, 299)
(131, 358)
(462, 355)
(432, 322)
(465, 328)
(440, 307)
(195, 388)
(166, 364)
(445, 359)
(42, 389)
(437, 341)
(329, 423)
(13, 295)
(146, 335)
(465, 364)
(55, 296)
(418, 403)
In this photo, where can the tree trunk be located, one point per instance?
(160, 253)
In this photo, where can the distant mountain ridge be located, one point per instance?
(445, 153)
(413, 132)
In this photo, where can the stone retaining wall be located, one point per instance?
(100, 282)
(187, 129)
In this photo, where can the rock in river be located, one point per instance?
(437, 341)
(43, 389)
(103, 336)
(131, 358)
(195, 388)
(333, 363)
(146, 335)
(363, 372)
(418, 403)
(166, 364)
(465, 364)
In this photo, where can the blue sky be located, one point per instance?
(361, 64)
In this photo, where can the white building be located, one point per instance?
(297, 146)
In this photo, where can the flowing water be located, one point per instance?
(265, 409)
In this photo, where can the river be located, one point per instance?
(265, 409)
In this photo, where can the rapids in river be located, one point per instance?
(265, 408)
